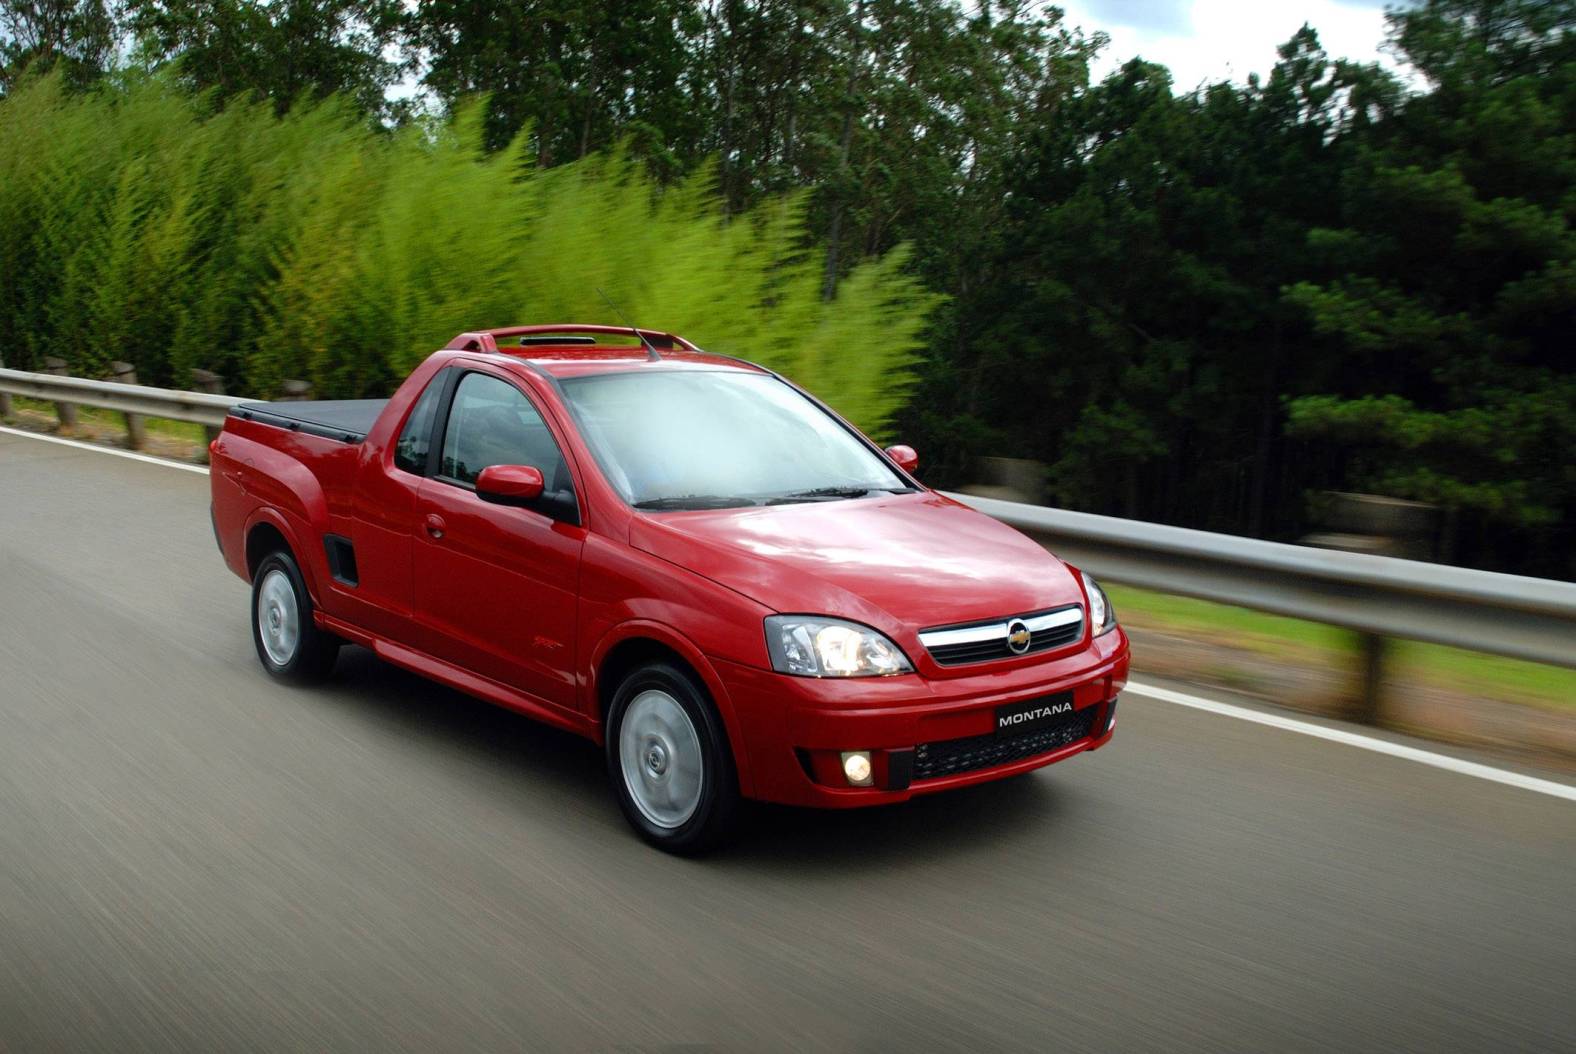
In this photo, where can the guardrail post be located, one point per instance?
(1368, 707)
(1008, 479)
(208, 382)
(67, 412)
(136, 430)
(295, 391)
(5, 399)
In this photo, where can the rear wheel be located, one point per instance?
(289, 644)
(669, 762)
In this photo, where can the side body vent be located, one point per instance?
(341, 559)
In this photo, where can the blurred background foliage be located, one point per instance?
(135, 226)
(1194, 306)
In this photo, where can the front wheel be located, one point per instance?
(669, 762)
(289, 645)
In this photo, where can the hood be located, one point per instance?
(905, 561)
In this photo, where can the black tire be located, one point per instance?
(716, 812)
(313, 654)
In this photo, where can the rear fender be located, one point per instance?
(279, 480)
(307, 557)
(285, 494)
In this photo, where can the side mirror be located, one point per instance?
(905, 457)
(509, 484)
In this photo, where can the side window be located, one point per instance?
(493, 423)
(415, 439)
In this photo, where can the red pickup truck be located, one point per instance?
(679, 555)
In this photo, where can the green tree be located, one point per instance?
(579, 75)
(1127, 330)
(37, 35)
(899, 115)
(1446, 292)
(283, 51)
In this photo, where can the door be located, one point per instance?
(496, 586)
(384, 509)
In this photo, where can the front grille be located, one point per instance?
(996, 647)
(984, 651)
(951, 757)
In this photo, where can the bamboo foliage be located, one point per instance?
(137, 224)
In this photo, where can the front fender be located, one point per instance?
(662, 633)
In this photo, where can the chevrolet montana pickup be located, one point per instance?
(682, 557)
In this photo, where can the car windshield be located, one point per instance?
(698, 439)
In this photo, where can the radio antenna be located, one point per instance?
(651, 351)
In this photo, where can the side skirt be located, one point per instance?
(446, 673)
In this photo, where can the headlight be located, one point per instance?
(809, 646)
(1102, 616)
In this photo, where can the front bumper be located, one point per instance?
(793, 729)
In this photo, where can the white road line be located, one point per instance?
(1356, 739)
(133, 455)
(1164, 695)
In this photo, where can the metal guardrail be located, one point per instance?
(1377, 596)
(1524, 618)
(197, 407)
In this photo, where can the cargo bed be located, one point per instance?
(346, 420)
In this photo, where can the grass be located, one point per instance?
(1294, 640)
(112, 419)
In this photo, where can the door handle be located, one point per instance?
(435, 525)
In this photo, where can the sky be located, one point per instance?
(1211, 40)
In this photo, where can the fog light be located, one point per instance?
(856, 766)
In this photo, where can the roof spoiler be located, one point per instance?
(486, 340)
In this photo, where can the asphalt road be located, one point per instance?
(195, 858)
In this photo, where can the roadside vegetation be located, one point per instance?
(1194, 304)
(1293, 642)
(140, 225)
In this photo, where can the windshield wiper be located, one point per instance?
(695, 501)
(829, 493)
